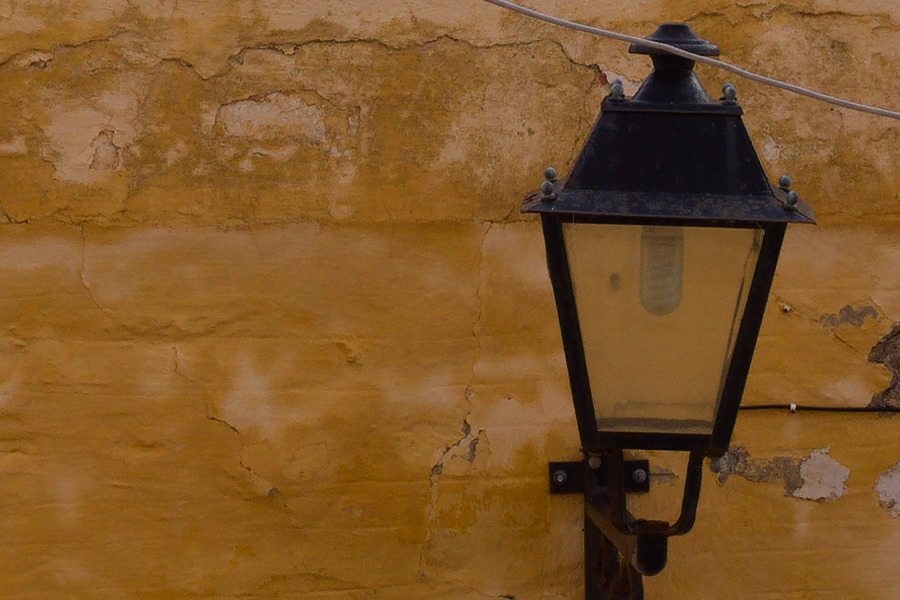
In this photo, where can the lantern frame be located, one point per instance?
(668, 156)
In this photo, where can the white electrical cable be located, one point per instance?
(695, 57)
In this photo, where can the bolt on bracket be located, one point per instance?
(568, 477)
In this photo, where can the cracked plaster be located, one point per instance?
(141, 186)
(245, 241)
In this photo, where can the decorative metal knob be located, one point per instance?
(792, 199)
(550, 174)
(784, 182)
(548, 191)
(729, 94)
(616, 91)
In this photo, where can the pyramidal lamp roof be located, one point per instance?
(671, 152)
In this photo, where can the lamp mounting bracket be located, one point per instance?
(568, 477)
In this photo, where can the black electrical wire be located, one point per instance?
(798, 407)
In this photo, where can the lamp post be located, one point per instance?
(661, 246)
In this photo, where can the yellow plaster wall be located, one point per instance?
(274, 328)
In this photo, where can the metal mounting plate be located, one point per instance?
(568, 477)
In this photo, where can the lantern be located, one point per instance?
(661, 245)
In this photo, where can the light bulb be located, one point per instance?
(662, 252)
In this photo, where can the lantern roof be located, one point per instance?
(670, 152)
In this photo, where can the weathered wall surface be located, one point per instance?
(273, 327)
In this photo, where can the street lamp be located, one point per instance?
(661, 246)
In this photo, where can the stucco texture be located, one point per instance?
(273, 326)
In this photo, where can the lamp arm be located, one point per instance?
(691, 497)
(645, 542)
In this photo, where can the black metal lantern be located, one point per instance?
(661, 244)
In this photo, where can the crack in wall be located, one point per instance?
(476, 323)
(662, 475)
(466, 447)
(468, 444)
(5, 214)
(176, 366)
(212, 417)
(882, 20)
(273, 492)
(82, 278)
(289, 48)
(40, 58)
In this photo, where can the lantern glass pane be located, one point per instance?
(659, 310)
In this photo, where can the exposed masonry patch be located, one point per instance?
(816, 477)
(887, 352)
(737, 461)
(888, 488)
(271, 117)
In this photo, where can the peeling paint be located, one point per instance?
(814, 477)
(887, 352)
(107, 156)
(888, 488)
(854, 315)
(823, 477)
